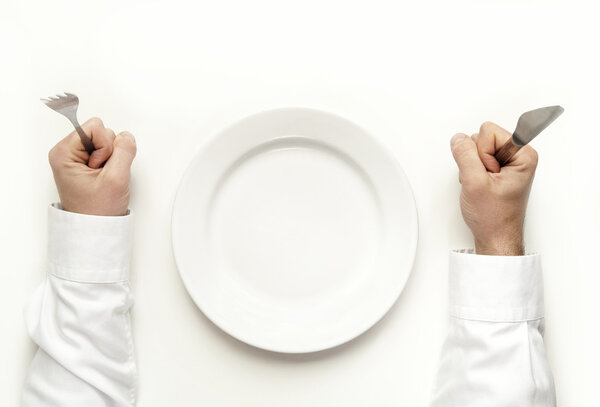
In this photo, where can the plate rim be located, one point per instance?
(223, 326)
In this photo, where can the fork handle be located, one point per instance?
(85, 140)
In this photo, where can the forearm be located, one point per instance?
(79, 317)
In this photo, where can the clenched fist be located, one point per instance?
(96, 184)
(493, 200)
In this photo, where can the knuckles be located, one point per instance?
(95, 122)
(111, 134)
(487, 127)
(533, 157)
(126, 144)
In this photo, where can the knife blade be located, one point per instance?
(530, 124)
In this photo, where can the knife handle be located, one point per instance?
(506, 152)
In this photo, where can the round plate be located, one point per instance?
(294, 231)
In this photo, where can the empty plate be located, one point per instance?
(294, 231)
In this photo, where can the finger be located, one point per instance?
(465, 154)
(475, 137)
(526, 158)
(491, 138)
(103, 147)
(124, 150)
(71, 148)
(92, 127)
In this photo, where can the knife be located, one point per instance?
(530, 124)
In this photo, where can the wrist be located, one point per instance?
(512, 246)
(100, 206)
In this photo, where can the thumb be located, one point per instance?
(124, 150)
(467, 158)
(103, 143)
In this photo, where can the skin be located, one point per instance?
(493, 200)
(96, 184)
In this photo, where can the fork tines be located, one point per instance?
(60, 101)
(57, 97)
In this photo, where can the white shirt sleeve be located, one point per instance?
(79, 317)
(494, 354)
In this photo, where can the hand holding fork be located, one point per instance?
(96, 183)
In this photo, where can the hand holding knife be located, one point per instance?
(530, 124)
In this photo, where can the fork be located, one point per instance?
(67, 106)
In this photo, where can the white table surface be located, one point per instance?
(411, 73)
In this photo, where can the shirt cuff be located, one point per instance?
(88, 248)
(496, 288)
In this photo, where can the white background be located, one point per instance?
(411, 73)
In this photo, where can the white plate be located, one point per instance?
(294, 231)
